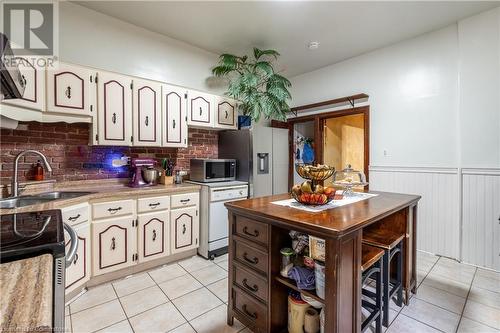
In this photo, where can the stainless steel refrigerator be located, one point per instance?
(261, 155)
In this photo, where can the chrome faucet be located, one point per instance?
(14, 189)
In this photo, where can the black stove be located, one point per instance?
(25, 235)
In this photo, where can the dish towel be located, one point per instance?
(304, 277)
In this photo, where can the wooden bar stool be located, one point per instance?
(371, 267)
(392, 245)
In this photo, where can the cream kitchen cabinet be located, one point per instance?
(154, 232)
(114, 243)
(34, 82)
(200, 109)
(226, 114)
(184, 229)
(146, 97)
(71, 89)
(78, 273)
(114, 109)
(174, 123)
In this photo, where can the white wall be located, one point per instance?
(94, 39)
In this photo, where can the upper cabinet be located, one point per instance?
(34, 91)
(174, 116)
(146, 97)
(71, 89)
(114, 109)
(200, 109)
(226, 114)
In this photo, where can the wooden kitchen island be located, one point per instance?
(258, 294)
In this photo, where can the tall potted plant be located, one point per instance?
(255, 84)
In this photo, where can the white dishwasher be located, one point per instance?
(214, 228)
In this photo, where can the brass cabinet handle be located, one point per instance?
(68, 92)
(154, 235)
(253, 288)
(254, 261)
(73, 218)
(254, 234)
(113, 119)
(113, 244)
(253, 315)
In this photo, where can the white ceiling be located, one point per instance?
(344, 29)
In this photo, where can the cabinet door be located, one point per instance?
(113, 244)
(174, 116)
(79, 271)
(34, 91)
(226, 113)
(154, 234)
(184, 229)
(200, 109)
(69, 90)
(146, 96)
(114, 109)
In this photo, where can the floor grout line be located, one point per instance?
(424, 323)
(123, 309)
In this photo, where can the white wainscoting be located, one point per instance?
(438, 228)
(481, 217)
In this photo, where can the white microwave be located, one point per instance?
(212, 170)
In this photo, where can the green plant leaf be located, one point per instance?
(257, 53)
(265, 67)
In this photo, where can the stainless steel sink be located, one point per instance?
(28, 200)
(60, 195)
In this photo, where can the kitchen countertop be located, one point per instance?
(26, 303)
(219, 184)
(102, 189)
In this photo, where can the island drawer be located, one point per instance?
(252, 230)
(250, 256)
(151, 204)
(112, 209)
(250, 282)
(76, 214)
(253, 313)
(184, 200)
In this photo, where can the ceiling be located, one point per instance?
(343, 29)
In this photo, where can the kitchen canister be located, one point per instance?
(296, 314)
(319, 274)
(311, 321)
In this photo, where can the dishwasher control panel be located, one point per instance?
(229, 193)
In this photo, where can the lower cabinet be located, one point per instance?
(184, 229)
(79, 271)
(154, 232)
(114, 244)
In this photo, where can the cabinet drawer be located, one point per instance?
(250, 282)
(250, 256)
(145, 205)
(253, 312)
(184, 200)
(76, 214)
(252, 230)
(112, 209)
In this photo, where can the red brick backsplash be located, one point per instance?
(72, 158)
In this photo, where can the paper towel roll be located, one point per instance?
(311, 321)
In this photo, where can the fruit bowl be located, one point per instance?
(316, 173)
(305, 194)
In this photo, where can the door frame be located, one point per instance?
(319, 122)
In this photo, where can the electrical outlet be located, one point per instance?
(183, 173)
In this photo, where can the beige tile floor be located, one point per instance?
(191, 296)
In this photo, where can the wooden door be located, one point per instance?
(226, 113)
(71, 89)
(200, 109)
(146, 97)
(184, 229)
(113, 244)
(79, 271)
(174, 116)
(114, 109)
(34, 91)
(154, 234)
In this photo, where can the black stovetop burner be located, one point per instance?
(25, 235)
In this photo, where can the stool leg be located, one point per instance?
(386, 286)
(378, 302)
(399, 275)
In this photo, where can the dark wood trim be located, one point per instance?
(208, 103)
(332, 102)
(279, 124)
(162, 238)
(82, 107)
(218, 113)
(139, 113)
(180, 117)
(105, 111)
(191, 217)
(100, 247)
